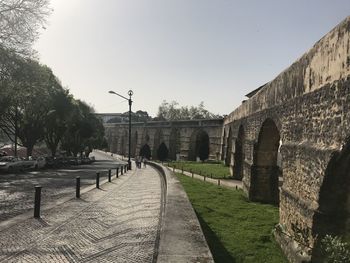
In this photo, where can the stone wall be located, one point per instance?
(175, 134)
(309, 103)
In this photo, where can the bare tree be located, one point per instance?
(20, 21)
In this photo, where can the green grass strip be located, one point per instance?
(236, 230)
(217, 170)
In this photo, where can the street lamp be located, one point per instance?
(130, 93)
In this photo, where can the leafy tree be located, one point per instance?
(57, 118)
(20, 21)
(27, 95)
(84, 131)
(172, 111)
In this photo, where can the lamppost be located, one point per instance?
(130, 93)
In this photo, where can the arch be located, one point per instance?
(145, 151)
(229, 148)
(158, 139)
(134, 144)
(265, 172)
(223, 146)
(174, 143)
(162, 152)
(124, 143)
(239, 154)
(199, 146)
(333, 213)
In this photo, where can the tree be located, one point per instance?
(57, 118)
(172, 111)
(20, 21)
(26, 91)
(84, 130)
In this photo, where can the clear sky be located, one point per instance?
(190, 51)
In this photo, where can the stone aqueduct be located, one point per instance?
(289, 143)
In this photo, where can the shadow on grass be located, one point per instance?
(219, 252)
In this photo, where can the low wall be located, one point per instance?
(181, 236)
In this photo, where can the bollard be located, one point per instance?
(117, 172)
(192, 173)
(200, 172)
(77, 190)
(109, 175)
(121, 170)
(204, 178)
(236, 187)
(97, 180)
(218, 181)
(37, 201)
(126, 168)
(211, 176)
(182, 170)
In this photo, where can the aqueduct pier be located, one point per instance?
(289, 143)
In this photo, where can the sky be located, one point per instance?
(214, 51)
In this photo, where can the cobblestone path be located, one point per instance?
(117, 223)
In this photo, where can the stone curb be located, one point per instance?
(181, 236)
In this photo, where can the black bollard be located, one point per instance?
(77, 190)
(109, 175)
(204, 178)
(97, 180)
(37, 201)
(211, 176)
(117, 172)
(219, 182)
(121, 170)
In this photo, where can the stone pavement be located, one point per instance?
(118, 223)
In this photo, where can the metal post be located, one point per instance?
(37, 201)
(204, 178)
(97, 180)
(117, 172)
(77, 190)
(109, 175)
(218, 181)
(121, 170)
(130, 102)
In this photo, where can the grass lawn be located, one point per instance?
(236, 230)
(218, 170)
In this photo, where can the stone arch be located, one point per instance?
(124, 143)
(333, 213)
(239, 154)
(145, 151)
(162, 152)
(158, 139)
(199, 145)
(265, 172)
(223, 146)
(134, 144)
(174, 143)
(145, 137)
(229, 148)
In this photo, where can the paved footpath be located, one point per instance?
(117, 223)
